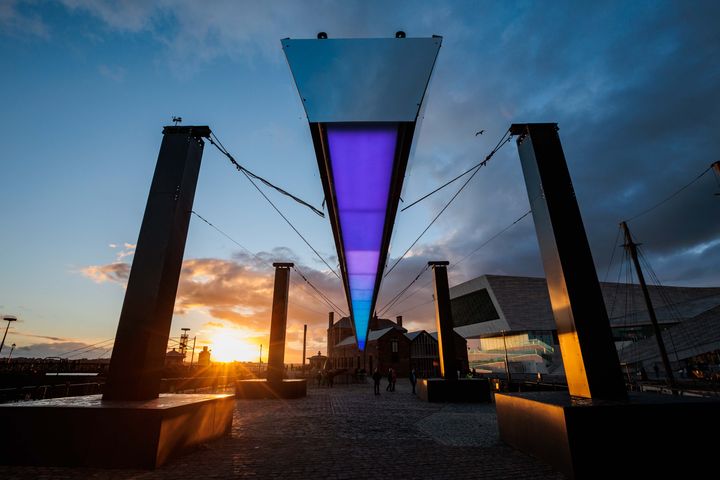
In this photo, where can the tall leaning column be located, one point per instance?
(278, 323)
(444, 321)
(140, 345)
(586, 342)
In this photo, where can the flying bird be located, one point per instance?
(479, 133)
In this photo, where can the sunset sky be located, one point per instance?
(88, 85)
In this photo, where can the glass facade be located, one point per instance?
(527, 352)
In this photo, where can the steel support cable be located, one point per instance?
(496, 235)
(670, 197)
(477, 169)
(503, 140)
(629, 300)
(518, 220)
(418, 306)
(223, 233)
(317, 294)
(247, 250)
(322, 295)
(430, 224)
(412, 294)
(670, 306)
(660, 203)
(316, 297)
(221, 148)
(692, 340)
(292, 226)
(665, 298)
(85, 347)
(317, 312)
(612, 255)
(394, 300)
(617, 284)
(615, 295)
(100, 347)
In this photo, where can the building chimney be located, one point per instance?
(330, 334)
(399, 321)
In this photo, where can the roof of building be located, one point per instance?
(373, 335)
(379, 323)
(344, 322)
(523, 303)
(412, 335)
(692, 337)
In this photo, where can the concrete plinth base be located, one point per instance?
(649, 436)
(260, 388)
(459, 391)
(87, 431)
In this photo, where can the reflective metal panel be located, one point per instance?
(362, 80)
(586, 342)
(362, 158)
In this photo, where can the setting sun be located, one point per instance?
(228, 345)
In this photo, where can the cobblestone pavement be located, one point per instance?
(341, 433)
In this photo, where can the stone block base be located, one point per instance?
(87, 431)
(457, 391)
(261, 388)
(648, 436)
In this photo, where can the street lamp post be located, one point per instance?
(9, 319)
(12, 348)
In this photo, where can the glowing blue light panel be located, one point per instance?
(361, 158)
(363, 98)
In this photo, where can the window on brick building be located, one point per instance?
(394, 351)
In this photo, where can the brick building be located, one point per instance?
(389, 345)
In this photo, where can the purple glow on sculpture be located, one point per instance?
(362, 158)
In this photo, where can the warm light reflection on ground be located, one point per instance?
(228, 345)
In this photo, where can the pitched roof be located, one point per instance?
(346, 341)
(344, 322)
(412, 335)
(372, 335)
(375, 334)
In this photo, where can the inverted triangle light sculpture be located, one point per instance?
(362, 98)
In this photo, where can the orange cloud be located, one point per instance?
(237, 293)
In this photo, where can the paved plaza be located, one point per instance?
(341, 433)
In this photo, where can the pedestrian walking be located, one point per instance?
(389, 378)
(377, 376)
(413, 380)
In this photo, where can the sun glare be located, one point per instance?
(229, 345)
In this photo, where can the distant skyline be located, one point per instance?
(88, 86)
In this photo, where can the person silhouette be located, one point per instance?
(377, 376)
